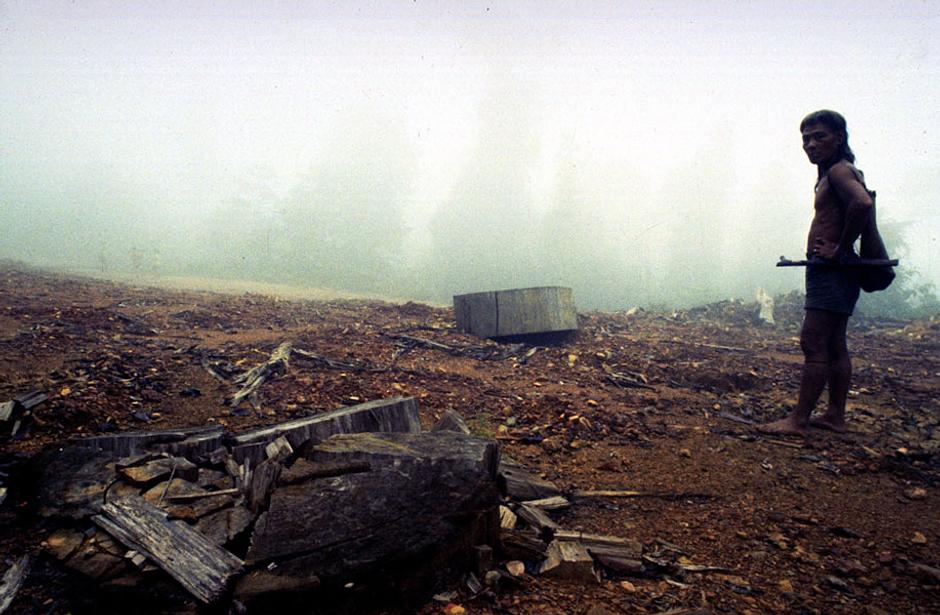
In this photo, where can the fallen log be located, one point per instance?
(204, 569)
(252, 380)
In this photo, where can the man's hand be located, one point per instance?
(826, 249)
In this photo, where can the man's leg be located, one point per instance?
(819, 327)
(840, 376)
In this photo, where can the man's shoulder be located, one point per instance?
(845, 171)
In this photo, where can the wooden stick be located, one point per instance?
(187, 497)
(613, 493)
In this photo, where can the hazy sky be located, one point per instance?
(182, 106)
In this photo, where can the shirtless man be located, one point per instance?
(842, 208)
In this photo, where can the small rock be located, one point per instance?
(454, 609)
(684, 452)
(492, 577)
(919, 539)
(628, 587)
(925, 573)
(785, 586)
(515, 568)
(778, 540)
(916, 493)
(445, 597)
(838, 584)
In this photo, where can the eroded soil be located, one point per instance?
(656, 403)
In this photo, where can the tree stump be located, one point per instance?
(520, 311)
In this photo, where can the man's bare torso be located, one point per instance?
(830, 211)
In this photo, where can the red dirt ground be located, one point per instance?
(832, 524)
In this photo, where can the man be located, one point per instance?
(842, 208)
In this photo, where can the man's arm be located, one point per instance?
(858, 204)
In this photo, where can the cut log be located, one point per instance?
(398, 414)
(204, 569)
(522, 485)
(12, 581)
(521, 311)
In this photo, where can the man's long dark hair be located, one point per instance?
(834, 122)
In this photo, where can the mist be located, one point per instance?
(642, 154)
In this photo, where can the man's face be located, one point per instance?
(820, 143)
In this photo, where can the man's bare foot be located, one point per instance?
(784, 427)
(829, 423)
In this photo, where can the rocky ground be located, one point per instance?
(655, 403)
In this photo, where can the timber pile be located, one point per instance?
(275, 517)
(352, 508)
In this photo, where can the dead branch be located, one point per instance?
(252, 380)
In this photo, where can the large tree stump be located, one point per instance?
(426, 501)
(520, 311)
(398, 414)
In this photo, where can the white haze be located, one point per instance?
(640, 152)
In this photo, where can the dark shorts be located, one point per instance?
(832, 289)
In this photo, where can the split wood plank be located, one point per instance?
(521, 484)
(553, 503)
(536, 518)
(204, 569)
(12, 581)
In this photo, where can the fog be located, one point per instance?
(643, 153)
